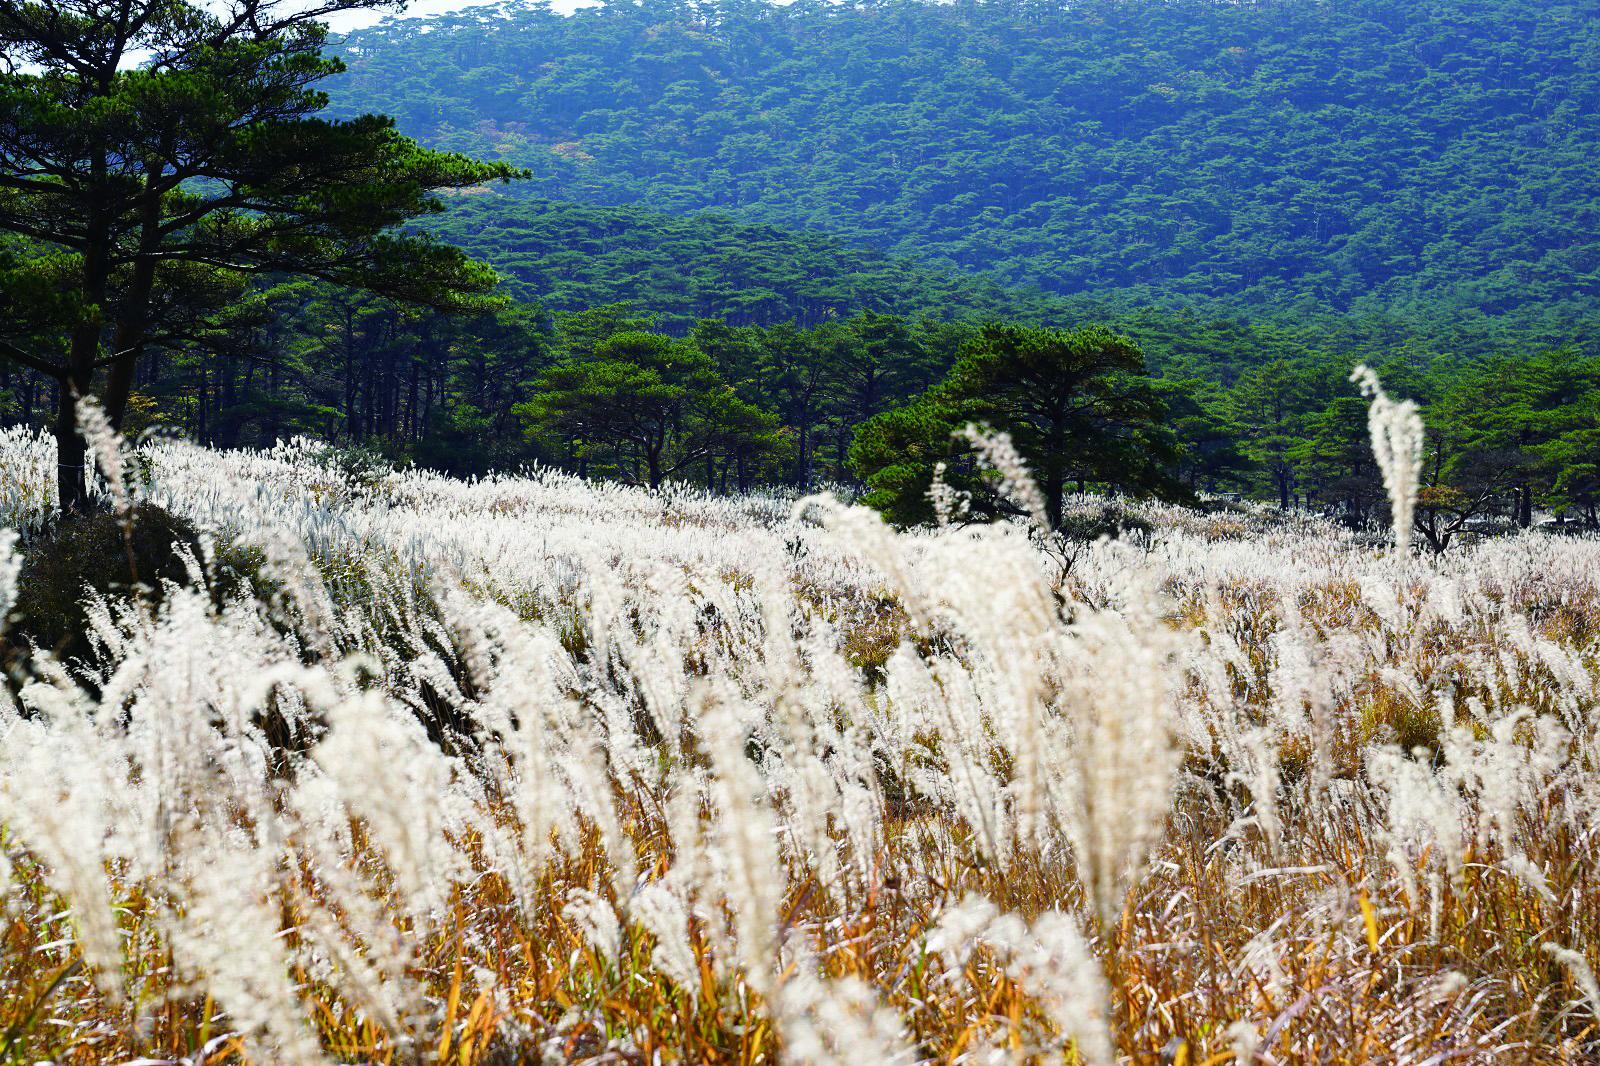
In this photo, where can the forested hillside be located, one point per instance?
(744, 244)
(571, 256)
(1433, 157)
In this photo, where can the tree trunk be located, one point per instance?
(1433, 534)
(127, 346)
(72, 453)
(1055, 491)
(802, 469)
(128, 339)
(72, 450)
(413, 426)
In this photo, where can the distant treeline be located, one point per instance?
(568, 257)
(609, 392)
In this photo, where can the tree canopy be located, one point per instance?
(1432, 157)
(155, 154)
(801, 244)
(1076, 405)
(646, 406)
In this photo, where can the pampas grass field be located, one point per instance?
(528, 769)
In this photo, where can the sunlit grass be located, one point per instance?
(577, 783)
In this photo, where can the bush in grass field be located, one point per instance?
(104, 553)
(1094, 519)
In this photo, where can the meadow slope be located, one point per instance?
(530, 769)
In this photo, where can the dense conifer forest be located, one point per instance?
(823, 203)
(1280, 156)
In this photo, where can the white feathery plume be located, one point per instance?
(57, 783)
(660, 910)
(1124, 762)
(746, 831)
(838, 1022)
(949, 503)
(1244, 1039)
(379, 759)
(1016, 481)
(596, 919)
(1397, 441)
(110, 453)
(1582, 974)
(819, 747)
(1050, 959)
(226, 937)
(10, 568)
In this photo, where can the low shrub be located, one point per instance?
(111, 555)
(1087, 522)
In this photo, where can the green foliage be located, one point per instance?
(101, 552)
(327, 362)
(1524, 429)
(1110, 519)
(1433, 158)
(1077, 407)
(572, 257)
(1336, 457)
(1210, 439)
(897, 452)
(645, 406)
(756, 238)
(159, 155)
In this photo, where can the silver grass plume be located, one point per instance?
(949, 503)
(746, 831)
(838, 1022)
(1582, 974)
(111, 454)
(1051, 960)
(10, 570)
(1016, 481)
(1397, 439)
(1124, 763)
(659, 908)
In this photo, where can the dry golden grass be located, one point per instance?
(507, 990)
(1340, 874)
